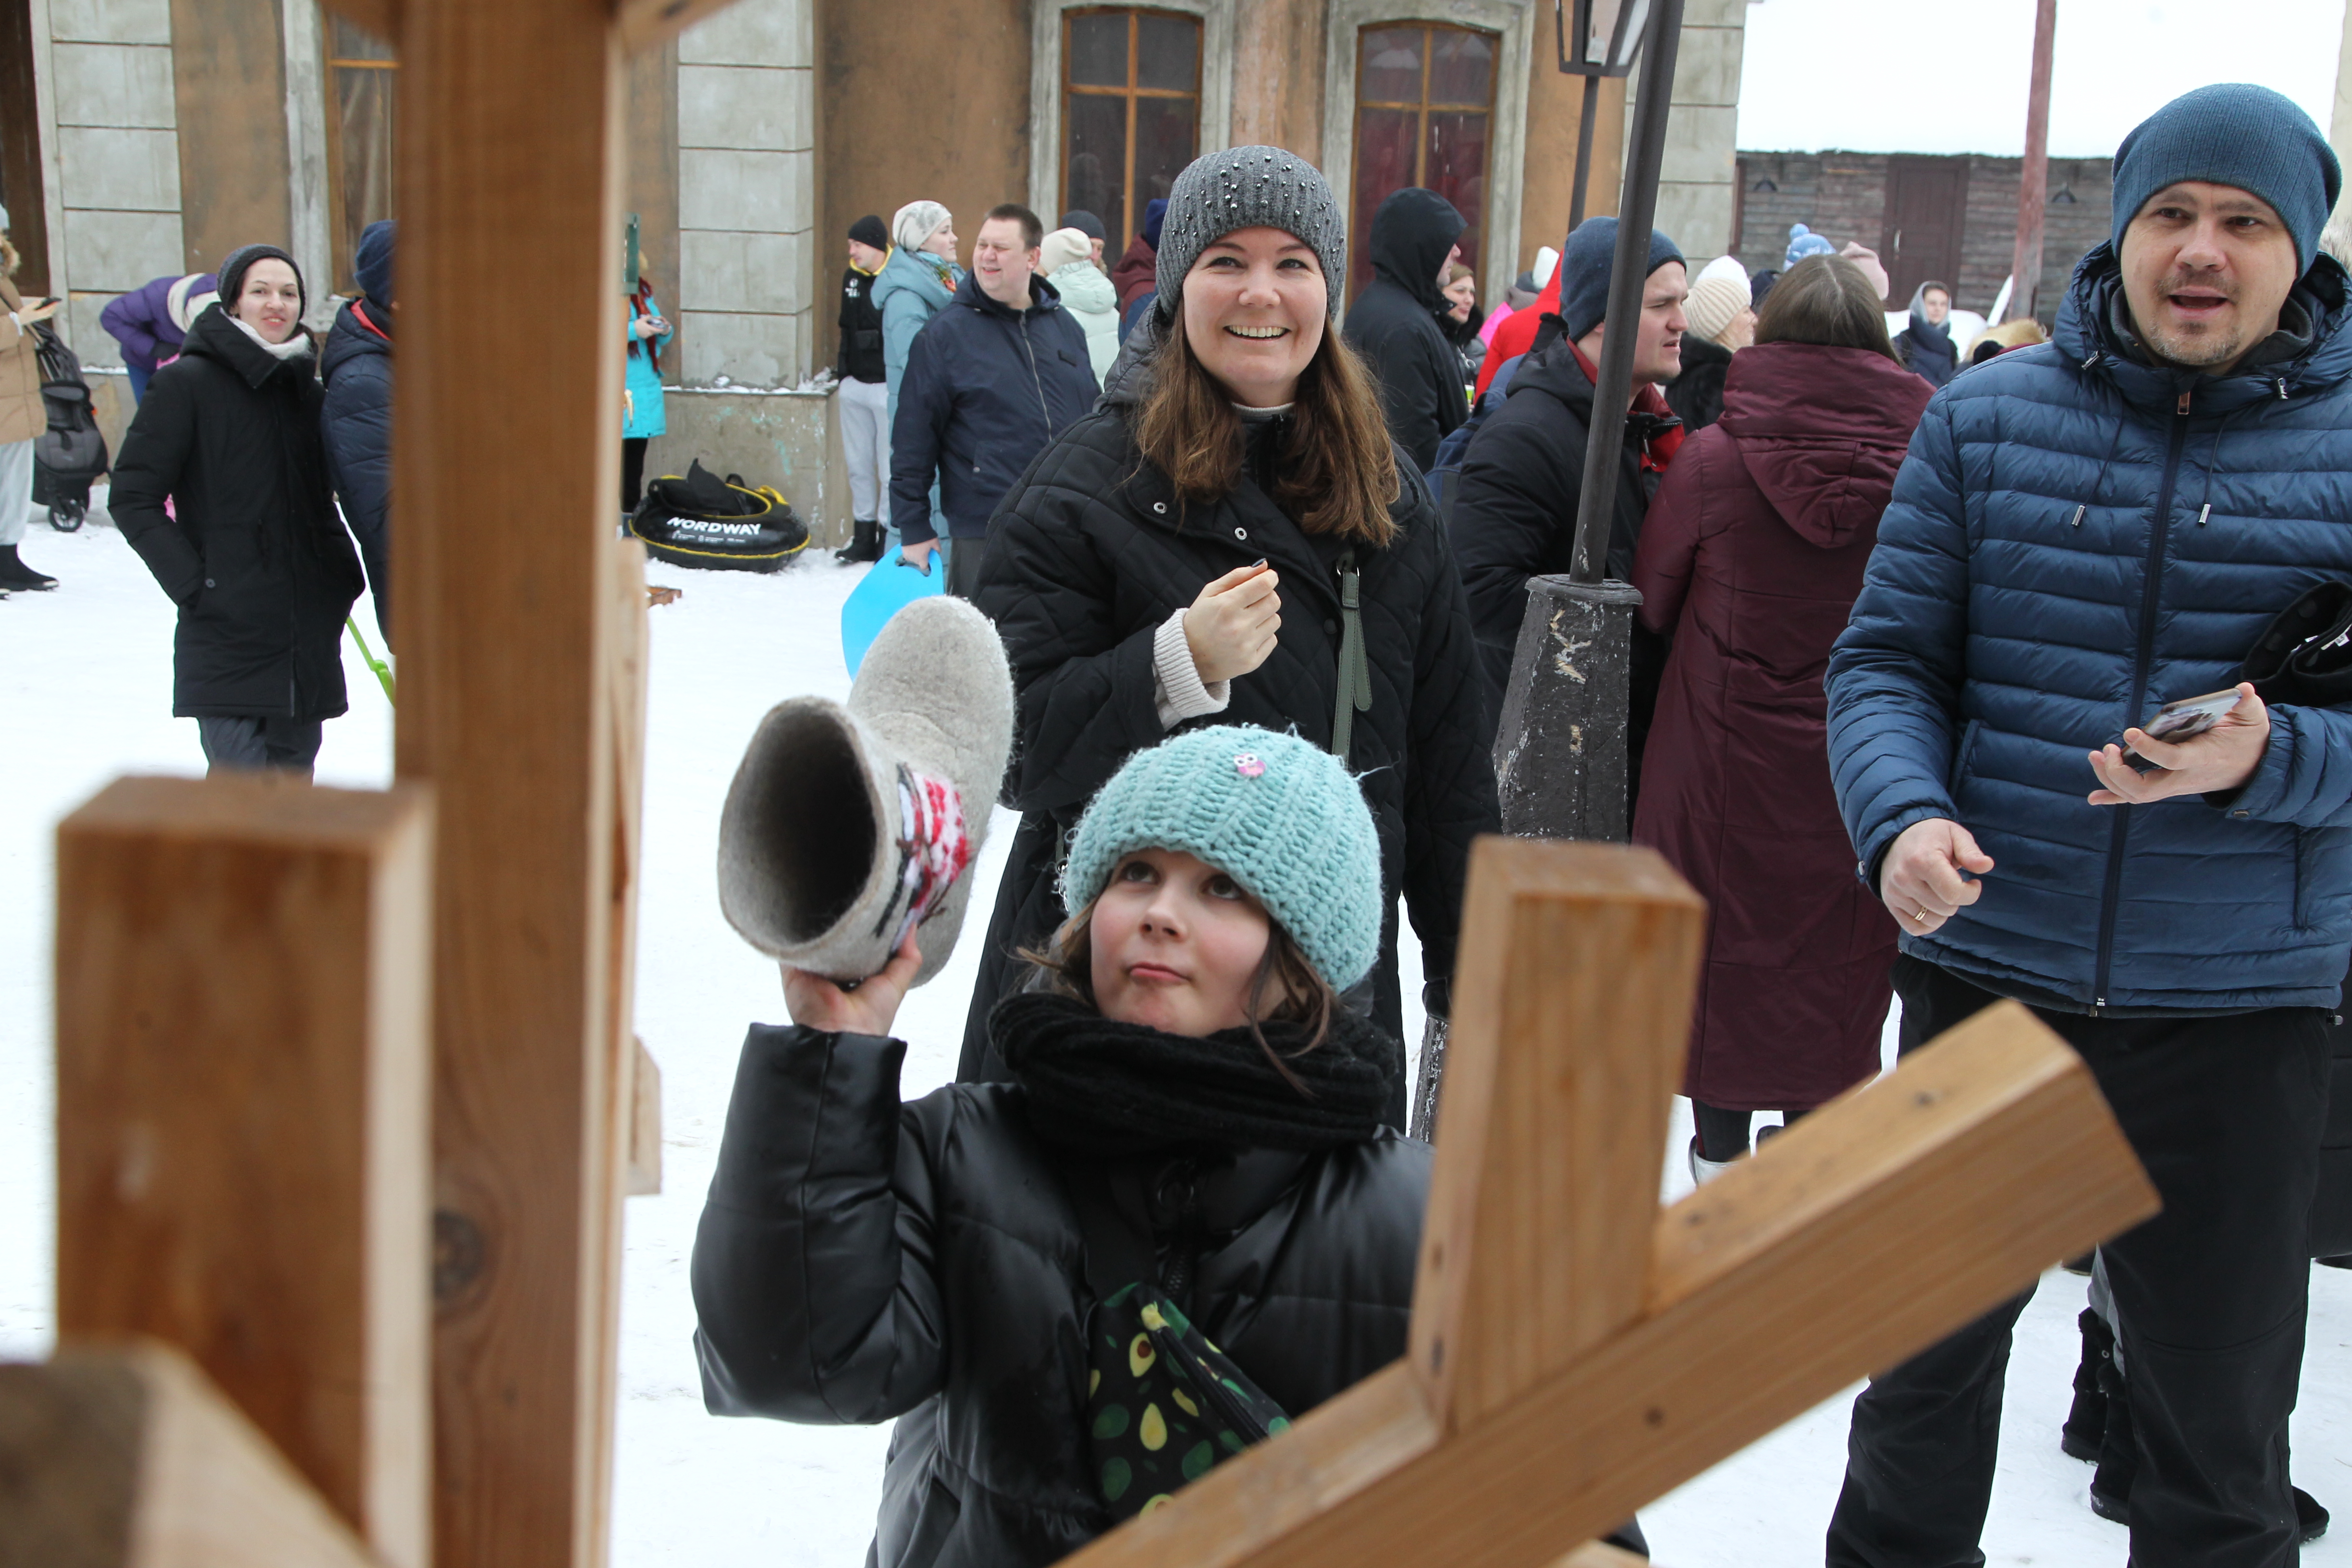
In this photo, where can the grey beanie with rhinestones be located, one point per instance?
(1249, 187)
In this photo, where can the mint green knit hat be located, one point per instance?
(1277, 815)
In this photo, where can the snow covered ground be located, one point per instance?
(85, 695)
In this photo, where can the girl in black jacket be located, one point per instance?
(1232, 533)
(251, 550)
(1049, 1282)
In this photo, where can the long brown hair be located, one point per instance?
(1339, 468)
(1824, 300)
(1066, 966)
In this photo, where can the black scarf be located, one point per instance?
(1105, 1089)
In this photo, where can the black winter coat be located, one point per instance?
(1514, 515)
(987, 388)
(861, 331)
(1696, 394)
(356, 365)
(1092, 552)
(860, 1259)
(257, 560)
(1394, 322)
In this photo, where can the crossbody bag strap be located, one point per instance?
(1355, 683)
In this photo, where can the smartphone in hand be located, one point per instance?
(2180, 721)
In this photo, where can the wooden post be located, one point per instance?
(1981, 1160)
(2034, 189)
(505, 463)
(242, 1000)
(129, 1457)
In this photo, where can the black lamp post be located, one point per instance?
(1607, 37)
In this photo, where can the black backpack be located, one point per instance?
(71, 452)
(703, 521)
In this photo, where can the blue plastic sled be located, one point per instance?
(890, 584)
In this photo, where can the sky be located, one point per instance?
(1910, 76)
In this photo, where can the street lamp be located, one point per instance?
(1607, 35)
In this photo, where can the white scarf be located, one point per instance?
(300, 344)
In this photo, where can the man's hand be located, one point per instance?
(1231, 628)
(816, 1003)
(1921, 878)
(918, 553)
(2223, 757)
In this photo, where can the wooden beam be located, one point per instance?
(505, 460)
(129, 1457)
(645, 1123)
(242, 992)
(648, 24)
(377, 19)
(1981, 1160)
(1573, 1004)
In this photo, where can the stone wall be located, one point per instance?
(1697, 181)
(1842, 195)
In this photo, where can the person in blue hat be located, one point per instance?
(356, 417)
(2083, 532)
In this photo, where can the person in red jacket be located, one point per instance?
(1517, 335)
(1751, 557)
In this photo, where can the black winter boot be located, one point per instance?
(15, 573)
(2086, 1423)
(2310, 1518)
(864, 544)
(2111, 1483)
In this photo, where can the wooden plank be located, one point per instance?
(1572, 1003)
(242, 992)
(645, 1123)
(129, 1457)
(1981, 1160)
(506, 453)
(377, 19)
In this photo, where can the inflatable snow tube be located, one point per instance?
(701, 521)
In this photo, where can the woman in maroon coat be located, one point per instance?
(1751, 557)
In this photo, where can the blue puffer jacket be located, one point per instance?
(987, 389)
(2075, 538)
(911, 288)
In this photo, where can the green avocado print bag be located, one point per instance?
(1163, 1405)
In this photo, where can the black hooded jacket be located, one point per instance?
(252, 551)
(356, 421)
(1092, 552)
(1395, 322)
(860, 1259)
(1514, 515)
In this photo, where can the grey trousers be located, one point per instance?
(252, 741)
(866, 438)
(15, 490)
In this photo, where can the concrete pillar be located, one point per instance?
(2337, 239)
(746, 195)
(1697, 188)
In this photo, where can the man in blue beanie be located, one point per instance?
(356, 418)
(1513, 510)
(2082, 532)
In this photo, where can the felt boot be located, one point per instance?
(2086, 1423)
(1704, 1170)
(849, 825)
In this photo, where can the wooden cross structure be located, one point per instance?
(346, 1087)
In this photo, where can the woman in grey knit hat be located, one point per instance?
(1231, 537)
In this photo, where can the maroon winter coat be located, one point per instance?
(1751, 556)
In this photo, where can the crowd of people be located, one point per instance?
(1256, 556)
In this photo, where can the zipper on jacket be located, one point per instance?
(1036, 380)
(2150, 591)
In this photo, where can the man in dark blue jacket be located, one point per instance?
(356, 418)
(2083, 532)
(991, 381)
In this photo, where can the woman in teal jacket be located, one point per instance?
(915, 285)
(642, 418)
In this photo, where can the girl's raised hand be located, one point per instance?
(817, 1002)
(1231, 628)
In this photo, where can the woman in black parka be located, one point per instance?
(1240, 431)
(252, 550)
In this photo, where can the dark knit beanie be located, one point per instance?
(240, 260)
(1585, 262)
(1155, 211)
(1247, 187)
(371, 264)
(1086, 223)
(868, 230)
(2232, 133)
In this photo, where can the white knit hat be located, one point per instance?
(1716, 297)
(913, 224)
(1060, 249)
